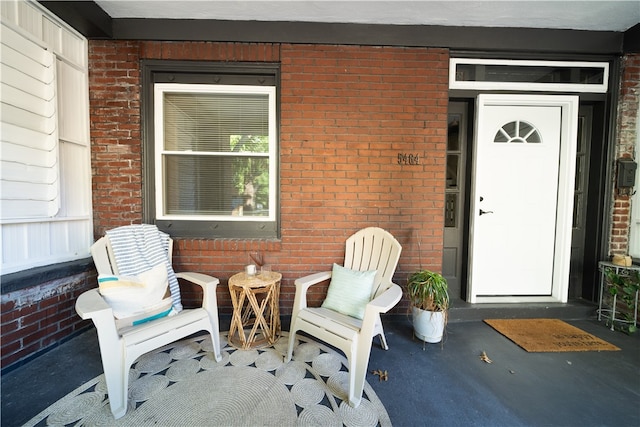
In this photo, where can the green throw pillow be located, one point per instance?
(349, 291)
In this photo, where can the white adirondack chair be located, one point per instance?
(119, 348)
(369, 249)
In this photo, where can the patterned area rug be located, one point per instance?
(181, 384)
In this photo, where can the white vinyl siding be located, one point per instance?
(45, 186)
(29, 146)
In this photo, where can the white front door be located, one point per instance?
(522, 198)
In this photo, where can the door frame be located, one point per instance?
(455, 234)
(566, 182)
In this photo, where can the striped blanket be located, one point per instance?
(138, 248)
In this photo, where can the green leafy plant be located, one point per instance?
(624, 286)
(251, 170)
(428, 290)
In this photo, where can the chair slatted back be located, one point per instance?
(104, 259)
(373, 248)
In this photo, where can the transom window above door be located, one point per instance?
(529, 75)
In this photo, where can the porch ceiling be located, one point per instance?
(611, 15)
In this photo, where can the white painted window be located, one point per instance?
(45, 160)
(215, 152)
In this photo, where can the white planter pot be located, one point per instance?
(428, 325)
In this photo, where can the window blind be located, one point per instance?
(215, 149)
(206, 121)
(29, 175)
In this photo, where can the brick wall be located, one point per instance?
(36, 318)
(114, 108)
(346, 114)
(627, 128)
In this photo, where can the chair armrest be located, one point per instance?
(380, 304)
(386, 300)
(302, 285)
(202, 280)
(208, 285)
(312, 279)
(91, 304)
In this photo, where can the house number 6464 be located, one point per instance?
(408, 159)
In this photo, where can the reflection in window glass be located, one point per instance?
(581, 124)
(453, 141)
(452, 170)
(529, 74)
(577, 208)
(197, 185)
(579, 172)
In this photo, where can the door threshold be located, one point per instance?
(516, 299)
(578, 309)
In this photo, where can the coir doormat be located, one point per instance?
(548, 335)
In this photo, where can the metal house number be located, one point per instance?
(408, 159)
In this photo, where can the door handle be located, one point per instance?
(485, 212)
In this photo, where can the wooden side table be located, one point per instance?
(255, 307)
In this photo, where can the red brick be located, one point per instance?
(353, 107)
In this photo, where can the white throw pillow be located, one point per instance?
(137, 298)
(349, 291)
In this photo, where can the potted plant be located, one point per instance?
(623, 288)
(429, 299)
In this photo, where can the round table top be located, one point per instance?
(621, 267)
(258, 280)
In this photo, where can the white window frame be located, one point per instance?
(159, 152)
(532, 86)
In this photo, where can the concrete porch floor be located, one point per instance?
(443, 385)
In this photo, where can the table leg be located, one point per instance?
(260, 321)
(237, 300)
